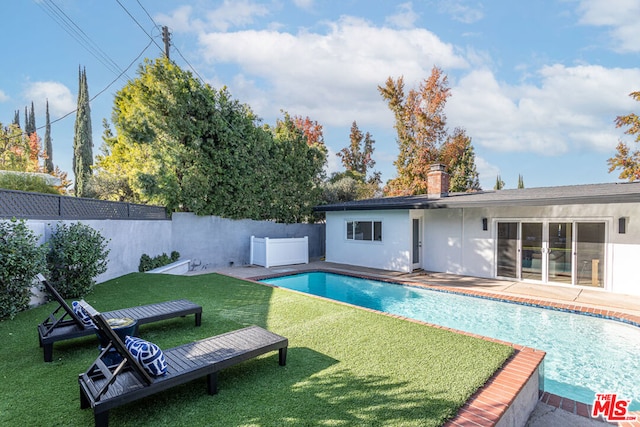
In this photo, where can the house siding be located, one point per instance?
(453, 240)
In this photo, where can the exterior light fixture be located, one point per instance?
(485, 224)
(622, 225)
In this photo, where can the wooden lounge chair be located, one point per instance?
(64, 324)
(104, 387)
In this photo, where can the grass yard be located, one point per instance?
(345, 366)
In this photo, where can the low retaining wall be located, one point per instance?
(177, 268)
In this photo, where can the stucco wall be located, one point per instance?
(128, 240)
(454, 241)
(211, 241)
(218, 242)
(392, 253)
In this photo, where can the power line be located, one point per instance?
(79, 35)
(99, 93)
(139, 25)
(103, 90)
(174, 46)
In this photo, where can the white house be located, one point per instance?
(581, 235)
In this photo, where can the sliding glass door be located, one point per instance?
(551, 252)
(560, 257)
(507, 259)
(590, 244)
(532, 250)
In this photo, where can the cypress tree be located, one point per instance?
(48, 148)
(499, 183)
(520, 182)
(16, 118)
(31, 128)
(82, 140)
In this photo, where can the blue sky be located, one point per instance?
(537, 85)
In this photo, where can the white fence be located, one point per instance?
(269, 252)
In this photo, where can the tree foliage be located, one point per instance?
(82, 139)
(20, 152)
(48, 147)
(77, 255)
(182, 144)
(21, 258)
(626, 159)
(422, 136)
(499, 185)
(356, 182)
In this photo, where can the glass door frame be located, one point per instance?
(546, 250)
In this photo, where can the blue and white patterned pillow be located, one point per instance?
(82, 314)
(148, 354)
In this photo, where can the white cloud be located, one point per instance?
(460, 11)
(3, 96)
(61, 100)
(334, 75)
(230, 14)
(235, 13)
(179, 20)
(572, 109)
(304, 4)
(405, 18)
(622, 16)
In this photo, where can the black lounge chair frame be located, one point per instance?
(63, 323)
(103, 387)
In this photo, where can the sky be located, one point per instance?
(537, 85)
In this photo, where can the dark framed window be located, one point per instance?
(364, 230)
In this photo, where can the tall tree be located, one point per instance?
(357, 157)
(499, 183)
(31, 127)
(48, 148)
(180, 143)
(420, 125)
(458, 156)
(16, 118)
(520, 182)
(626, 160)
(82, 139)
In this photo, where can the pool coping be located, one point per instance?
(491, 403)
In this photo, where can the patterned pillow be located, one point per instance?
(82, 314)
(148, 354)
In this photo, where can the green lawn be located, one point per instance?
(345, 366)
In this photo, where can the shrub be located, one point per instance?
(21, 258)
(26, 182)
(147, 263)
(77, 254)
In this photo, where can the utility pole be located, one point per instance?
(166, 38)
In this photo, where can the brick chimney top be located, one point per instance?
(437, 182)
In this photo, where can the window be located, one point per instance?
(364, 230)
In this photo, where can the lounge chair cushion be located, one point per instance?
(148, 354)
(82, 315)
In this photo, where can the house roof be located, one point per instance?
(624, 192)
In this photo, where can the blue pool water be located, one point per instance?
(585, 355)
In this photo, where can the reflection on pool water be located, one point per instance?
(585, 355)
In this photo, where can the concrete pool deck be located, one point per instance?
(550, 410)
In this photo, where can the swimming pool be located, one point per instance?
(585, 355)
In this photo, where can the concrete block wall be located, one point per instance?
(208, 241)
(211, 241)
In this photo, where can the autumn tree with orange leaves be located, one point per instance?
(422, 136)
(625, 159)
